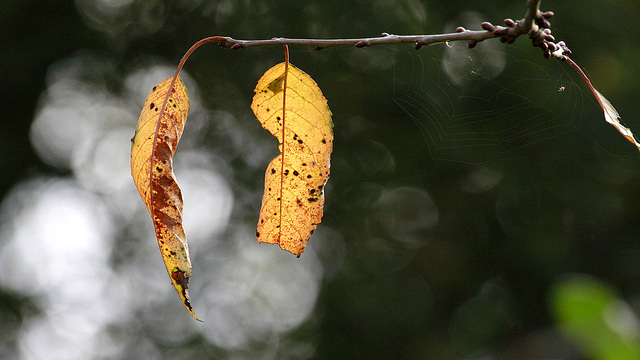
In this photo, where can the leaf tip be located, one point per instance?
(180, 280)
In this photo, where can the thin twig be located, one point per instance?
(526, 26)
(320, 44)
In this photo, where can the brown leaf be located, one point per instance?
(158, 132)
(610, 113)
(612, 117)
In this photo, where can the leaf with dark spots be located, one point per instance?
(290, 105)
(157, 135)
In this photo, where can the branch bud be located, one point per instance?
(509, 22)
(543, 23)
(500, 31)
(460, 29)
(544, 47)
(472, 44)
(487, 26)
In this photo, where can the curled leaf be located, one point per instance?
(610, 113)
(291, 106)
(158, 132)
(612, 117)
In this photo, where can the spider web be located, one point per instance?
(475, 109)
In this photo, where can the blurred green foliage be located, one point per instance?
(595, 317)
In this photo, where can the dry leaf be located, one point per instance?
(158, 132)
(291, 106)
(612, 117)
(610, 113)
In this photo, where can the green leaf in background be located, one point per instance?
(591, 314)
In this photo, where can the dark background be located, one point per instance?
(479, 206)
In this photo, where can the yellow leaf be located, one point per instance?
(157, 135)
(291, 106)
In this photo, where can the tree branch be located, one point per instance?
(321, 44)
(532, 14)
(529, 25)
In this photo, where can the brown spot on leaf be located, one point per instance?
(151, 167)
(182, 279)
(277, 85)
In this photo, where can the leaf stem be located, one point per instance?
(284, 126)
(173, 81)
(595, 92)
